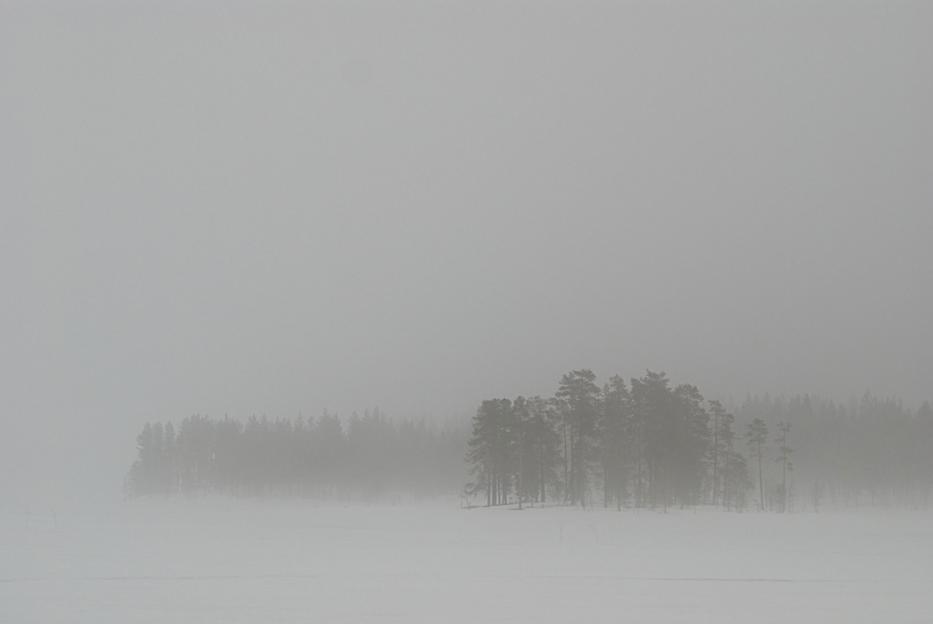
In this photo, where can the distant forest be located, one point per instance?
(646, 444)
(370, 457)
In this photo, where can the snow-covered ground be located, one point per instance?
(229, 561)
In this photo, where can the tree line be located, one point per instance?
(645, 443)
(866, 451)
(371, 457)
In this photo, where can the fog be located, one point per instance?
(300, 301)
(281, 208)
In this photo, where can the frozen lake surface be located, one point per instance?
(229, 561)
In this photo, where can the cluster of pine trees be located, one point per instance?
(649, 444)
(371, 457)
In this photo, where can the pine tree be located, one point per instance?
(579, 398)
(721, 444)
(490, 450)
(784, 452)
(689, 445)
(615, 426)
(757, 436)
(655, 416)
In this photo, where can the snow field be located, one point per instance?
(230, 561)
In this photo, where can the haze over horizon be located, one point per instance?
(228, 208)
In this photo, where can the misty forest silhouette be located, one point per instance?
(644, 444)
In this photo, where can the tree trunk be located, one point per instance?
(761, 483)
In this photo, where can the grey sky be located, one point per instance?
(276, 207)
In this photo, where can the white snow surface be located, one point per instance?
(230, 561)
